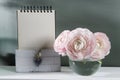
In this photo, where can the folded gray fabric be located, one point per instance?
(25, 61)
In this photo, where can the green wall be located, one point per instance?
(97, 15)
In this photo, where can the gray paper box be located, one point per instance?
(24, 61)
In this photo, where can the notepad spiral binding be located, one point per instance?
(42, 9)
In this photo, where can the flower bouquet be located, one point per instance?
(84, 48)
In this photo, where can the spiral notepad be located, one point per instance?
(36, 27)
(36, 30)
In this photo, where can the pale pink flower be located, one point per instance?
(60, 42)
(81, 42)
(102, 47)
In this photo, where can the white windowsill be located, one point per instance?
(104, 73)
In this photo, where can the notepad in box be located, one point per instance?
(36, 30)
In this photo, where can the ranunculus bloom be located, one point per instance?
(81, 42)
(102, 47)
(60, 42)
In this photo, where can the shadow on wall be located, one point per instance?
(7, 49)
(17, 3)
(9, 59)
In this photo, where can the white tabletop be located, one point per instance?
(104, 73)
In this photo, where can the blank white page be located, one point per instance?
(36, 30)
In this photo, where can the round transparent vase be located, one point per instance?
(85, 68)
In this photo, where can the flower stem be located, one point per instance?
(84, 62)
(100, 62)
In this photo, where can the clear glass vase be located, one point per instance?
(85, 68)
